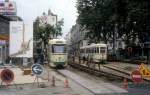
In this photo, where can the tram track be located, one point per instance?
(122, 71)
(106, 72)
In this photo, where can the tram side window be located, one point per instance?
(102, 49)
(82, 50)
(94, 50)
(91, 50)
(97, 49)
(87, 50)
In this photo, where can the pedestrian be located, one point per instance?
(42, 59)
(84, 59)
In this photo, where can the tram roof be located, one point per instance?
(94, 45)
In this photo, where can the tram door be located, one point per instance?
(1, 55)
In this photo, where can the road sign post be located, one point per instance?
(136, 77)
(37, 70)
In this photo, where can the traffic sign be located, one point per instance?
(7, 76)
(136, 76)
(37, 69)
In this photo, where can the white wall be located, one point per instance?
(16, 39)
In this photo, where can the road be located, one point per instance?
(133, 89)
(74, 88)
(46, 88)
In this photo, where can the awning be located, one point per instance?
(4, 37)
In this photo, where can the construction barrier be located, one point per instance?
(66, 83)
(7, 76)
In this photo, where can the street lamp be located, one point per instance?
(134, 22)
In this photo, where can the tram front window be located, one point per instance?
(58, 49)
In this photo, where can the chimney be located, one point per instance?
(49, 12)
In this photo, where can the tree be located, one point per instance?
(59, 27)
(100, 16)
(42, 34)
(131, 19)
(139, 18)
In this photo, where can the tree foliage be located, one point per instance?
(44, 33)
(131, 18)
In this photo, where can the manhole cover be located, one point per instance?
(42, 86)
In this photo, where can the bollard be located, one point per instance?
(66, 83)
(125, 83)
(53, 81)
(48, 76)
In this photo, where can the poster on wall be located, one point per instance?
(21, 39)
(8, 8)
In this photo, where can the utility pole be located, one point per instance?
(142, 46)
(114, 38)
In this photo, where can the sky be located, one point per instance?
(30, 9)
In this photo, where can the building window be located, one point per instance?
(53, 19)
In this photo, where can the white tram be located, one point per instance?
(96, 52)
(57, 53)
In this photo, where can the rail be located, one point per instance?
(102, 72)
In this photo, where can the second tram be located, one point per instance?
(94, 52)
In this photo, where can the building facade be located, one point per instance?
(8, 11)
(8, 8)
(76, 39)
(49, 18)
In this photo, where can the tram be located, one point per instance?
(96, 52)
(57, 53)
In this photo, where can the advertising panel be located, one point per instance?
(21, 39)
(8, 8)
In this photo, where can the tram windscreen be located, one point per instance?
(59, 48)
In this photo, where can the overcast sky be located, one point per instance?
(30, 9)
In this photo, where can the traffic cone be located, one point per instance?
(53, 81)
(125, 83)
(66, 83)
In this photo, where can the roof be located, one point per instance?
(5, 18)
(95, 45)
(11, 18)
